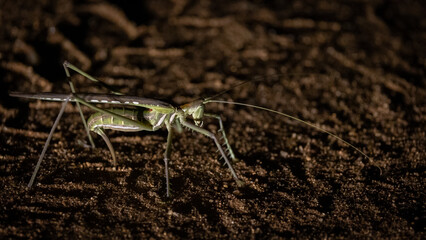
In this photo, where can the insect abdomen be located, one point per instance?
(107, 121)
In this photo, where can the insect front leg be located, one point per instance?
(216, 141)
(178, 127)
(222, 130)
(167, 154)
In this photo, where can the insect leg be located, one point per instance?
(78, 106)
(212, 136)
(101, 132)
(46, 144)
(68, 65)
(167, 156)
(222, 130)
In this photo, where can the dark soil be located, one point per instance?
(355, 68)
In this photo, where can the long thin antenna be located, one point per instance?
(294, 118)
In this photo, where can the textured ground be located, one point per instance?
(356, 68)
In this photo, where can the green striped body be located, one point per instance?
(107, 121)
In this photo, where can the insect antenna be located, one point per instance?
(293, 118)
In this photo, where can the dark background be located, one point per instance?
(356, 68)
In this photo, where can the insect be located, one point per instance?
(145, 114)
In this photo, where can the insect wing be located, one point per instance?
(150, 103)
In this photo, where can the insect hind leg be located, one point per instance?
(101, 132)
(66, 65)
(46, 144)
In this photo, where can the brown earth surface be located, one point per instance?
(355, 68)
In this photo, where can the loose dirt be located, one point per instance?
(355, 68)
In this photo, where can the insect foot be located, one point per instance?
(240, 183)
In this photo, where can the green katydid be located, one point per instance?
(145, 115)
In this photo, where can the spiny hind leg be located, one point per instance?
(222, 130)
(101, 132)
